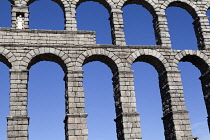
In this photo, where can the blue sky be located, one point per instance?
(46, 85)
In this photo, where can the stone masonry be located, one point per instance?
(71, 49)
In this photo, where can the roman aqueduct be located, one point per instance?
(71, 49)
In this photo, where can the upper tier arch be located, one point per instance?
(62, 3)
(191, 8)
(105, 3)
(150, 6)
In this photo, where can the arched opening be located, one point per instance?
(99, 101)
(102, 2)
(4, 99)
(46, 14)
(100, 104)
(148, 101)
(143, 92)
(180, 27)
(138, 25)
(46, 98)
(94, 17)
(5, 13)
(194, 96)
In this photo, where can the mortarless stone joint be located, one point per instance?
(20, 48)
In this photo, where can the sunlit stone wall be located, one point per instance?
(20, 48)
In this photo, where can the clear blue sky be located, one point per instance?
(46, 86)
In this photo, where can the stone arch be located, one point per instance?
(165, 74)
(150, 6)
(104, 56)
(62, 3)
(113, 62)
(191, 8)
(152, 57)
(67, 13)
(46, 54)
(160, 26)
(105, 3)
(195, 12)
(201, 61)
(197, 58)
(7, 57)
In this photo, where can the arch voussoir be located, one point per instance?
(203, 59)
(192, 9)
(147, 52)
(25, 62)
(100, 53)
(32, 53)
(105, 3)
(9, 58)
(150, 5)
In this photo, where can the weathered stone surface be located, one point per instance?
(71, 49)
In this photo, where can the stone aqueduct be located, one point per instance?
(71, 49)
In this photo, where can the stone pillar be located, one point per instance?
(75, 121)
(127, 120)
(20, 11)
(175, 117)
(117, 26)
(205, 82)
(18, 121)
(162, 35)
(70, 18)
(202, 31)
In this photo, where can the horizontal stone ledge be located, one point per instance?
(78, 115)
(46, 31)
(95, 46)
(76, 72)
(18, 71)
(26, 46)
(17, 117)
(101, 46)
(117, 11)
(169, 114)
(126, 115)
(126, 72)
(169, 71)
(117, 73)
(173, 92)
